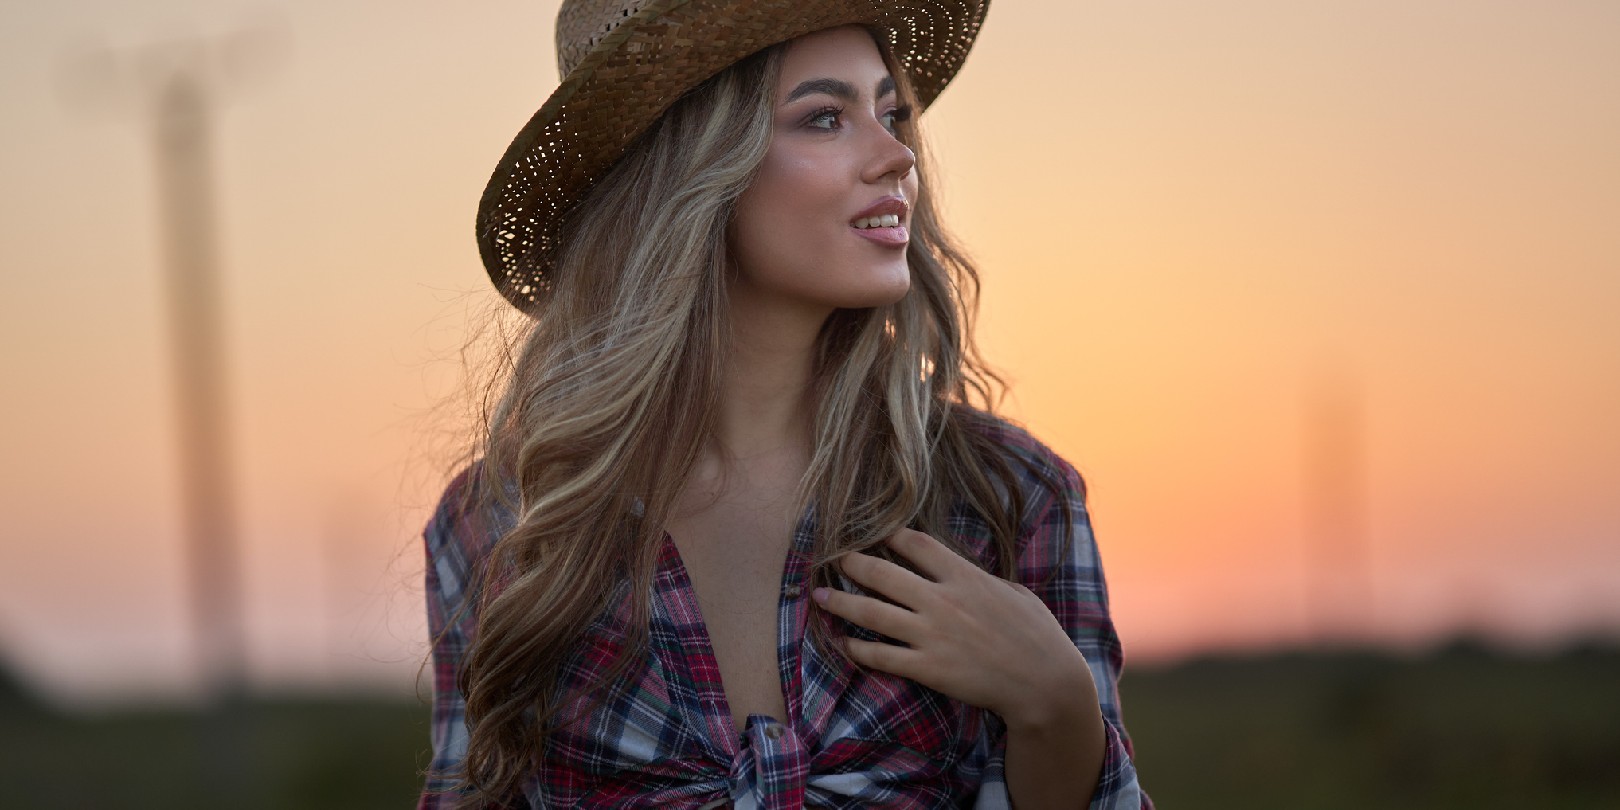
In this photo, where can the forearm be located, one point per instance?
(1054, 756)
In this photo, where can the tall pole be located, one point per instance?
(1339, 599)
(177, 86)
(184, 153)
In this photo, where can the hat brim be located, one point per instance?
(632, 75)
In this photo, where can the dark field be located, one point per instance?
(1460, 728)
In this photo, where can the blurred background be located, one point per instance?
(1323, 300)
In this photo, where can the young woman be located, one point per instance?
(744, 530)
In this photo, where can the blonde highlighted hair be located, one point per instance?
(605, 401)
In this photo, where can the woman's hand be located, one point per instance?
(969, 635)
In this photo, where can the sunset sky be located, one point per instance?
(1213, 237)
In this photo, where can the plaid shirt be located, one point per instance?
(665, 736)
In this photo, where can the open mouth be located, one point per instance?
(879, 221)
(884, 229)
(894, 237)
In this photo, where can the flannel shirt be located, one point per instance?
(664, 736)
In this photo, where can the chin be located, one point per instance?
(887, 284)
(877, 295)
(894, 295)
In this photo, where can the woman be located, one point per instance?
(738, 537)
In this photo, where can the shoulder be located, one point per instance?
(1045, 479)
(463, 529)
(1056, 552)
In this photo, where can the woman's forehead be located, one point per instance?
(846, 53)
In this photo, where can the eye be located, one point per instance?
(897, 116)
(828, 114)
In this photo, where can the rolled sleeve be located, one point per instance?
(450, 622)
(1065, 570)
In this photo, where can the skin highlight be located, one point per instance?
(791, 239)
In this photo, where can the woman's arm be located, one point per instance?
(448, 608)
(1055, 753)
(1064, 569)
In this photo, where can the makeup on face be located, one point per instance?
(884, 222)
(837, 164)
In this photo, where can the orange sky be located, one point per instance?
(1192, 218)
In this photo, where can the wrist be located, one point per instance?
(1056, 750)
(1062, 702)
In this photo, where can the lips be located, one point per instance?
(884, 205)
(886, 236)
(896, 236)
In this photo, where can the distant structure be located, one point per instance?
(1340, 600)
(175, 85)
(183, 118)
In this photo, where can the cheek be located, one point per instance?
(787, 219)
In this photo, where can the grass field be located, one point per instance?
(1463, 727)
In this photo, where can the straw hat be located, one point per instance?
(624, 62)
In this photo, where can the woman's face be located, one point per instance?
(834, 154)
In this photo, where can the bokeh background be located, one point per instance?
(1322, 298)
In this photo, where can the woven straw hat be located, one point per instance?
(623, 62)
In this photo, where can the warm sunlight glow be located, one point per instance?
(1319, 298)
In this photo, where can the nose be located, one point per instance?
(889, 157)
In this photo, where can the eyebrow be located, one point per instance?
(838, 88)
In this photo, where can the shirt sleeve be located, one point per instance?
(1068, 577)
(450, 625)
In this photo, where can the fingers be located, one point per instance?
(928, 554)
(873, 614)
(887, 657)
(876, 574)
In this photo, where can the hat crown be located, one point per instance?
(583, 23)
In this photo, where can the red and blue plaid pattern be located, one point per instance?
(664, 736)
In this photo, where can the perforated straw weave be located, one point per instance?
(624, 62)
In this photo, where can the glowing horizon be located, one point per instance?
(1191, 221)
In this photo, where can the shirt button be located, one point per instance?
(774, 731)
(793, 591)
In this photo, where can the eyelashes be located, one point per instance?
(898, 116)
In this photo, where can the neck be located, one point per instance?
(766, 408)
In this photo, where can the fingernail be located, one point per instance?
(820, 595)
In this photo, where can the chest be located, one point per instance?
(733, 552)
(729, 640)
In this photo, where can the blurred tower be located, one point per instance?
(176, 86)
(341, 570)
(182, 117)
(1340, 604)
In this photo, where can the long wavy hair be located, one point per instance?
(605, 401)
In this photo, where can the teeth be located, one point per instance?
(884, 221)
